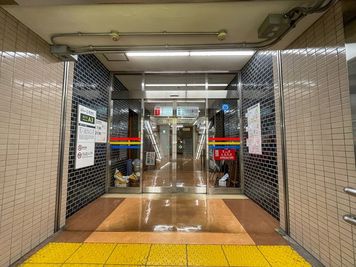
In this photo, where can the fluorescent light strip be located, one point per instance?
(185, 85)
(189, 53)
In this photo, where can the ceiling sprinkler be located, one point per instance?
(115, 36)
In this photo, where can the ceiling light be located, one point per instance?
(191, 53)
(165, 84)
(222, 53)
(158, 54)
(184, 85)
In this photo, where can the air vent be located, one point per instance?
(116, 57)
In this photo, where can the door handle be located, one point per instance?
(350, 219)
(351, 191)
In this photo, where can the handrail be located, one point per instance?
(351, 191)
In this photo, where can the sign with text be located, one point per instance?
(254, 141)
(190, 112)
(225, 154)
(85, 145)
(101, 131)
(163, 111)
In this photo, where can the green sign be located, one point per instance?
(87, 118)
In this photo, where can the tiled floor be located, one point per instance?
(109, 254)
(169, 230)
(176, 219)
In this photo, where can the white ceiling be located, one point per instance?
(240, 19)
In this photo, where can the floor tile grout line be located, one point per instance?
(258, 248)
(221, 246)
(116, 244)
(186, 255)
(148, 255)
(80, 245)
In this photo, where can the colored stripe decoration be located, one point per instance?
(224, 142)
(125, 142)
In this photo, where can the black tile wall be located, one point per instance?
(260, 171)
(91, 87)
(120, 124)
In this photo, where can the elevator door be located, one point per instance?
(174, 148)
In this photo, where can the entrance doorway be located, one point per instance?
(174, 147)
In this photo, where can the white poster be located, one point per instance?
(150, 158)
(254, 141)
(85, 145)
(101, 131)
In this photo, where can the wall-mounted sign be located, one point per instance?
(254, 141)
(150, 158)
(163, 111)
(85, 145)
(224, 154)
(101, 131)
(190, 112)
(225, 107)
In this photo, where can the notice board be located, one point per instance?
(85, 143)
(254, 140)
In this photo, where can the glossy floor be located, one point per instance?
(179, 219)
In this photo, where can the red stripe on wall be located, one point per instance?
(125, 139)
(224, 138)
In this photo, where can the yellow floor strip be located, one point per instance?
(283, 256)
(96, 253)
(206, 255)
(244, 256)
(110, 255)
(54, 253)
(134, 254)
(167, 255)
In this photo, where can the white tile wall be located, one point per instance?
(320, 153)
(30, 104)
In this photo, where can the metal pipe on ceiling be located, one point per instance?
(294, 15)
(116, 35)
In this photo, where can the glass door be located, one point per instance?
(174, 147)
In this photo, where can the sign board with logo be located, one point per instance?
(85, 145)
(101, 131)
(225, 154)
(254, 141)
(163, 111)
(190, 112)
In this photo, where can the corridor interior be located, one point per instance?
(177, 133)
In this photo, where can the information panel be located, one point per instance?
(85, 145)
(254, 141)
(101, 131)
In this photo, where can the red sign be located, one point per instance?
(225, 154)
(157, 111)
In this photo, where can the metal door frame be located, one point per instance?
(173, 188)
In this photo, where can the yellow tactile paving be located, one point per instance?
(167, 255)
(97, 253)
(54, 253)
(206, 255)
(81, 265)
(134, 254)
(42, 264)
(244, 256)
(283, 256)
(139, 255)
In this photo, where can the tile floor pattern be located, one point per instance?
(111, 254)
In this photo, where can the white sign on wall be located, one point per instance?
(150, 158)
(101, 131)
(85, 145)
(254, 141)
